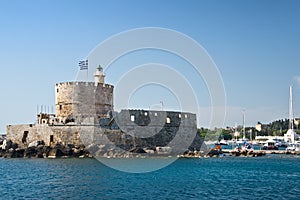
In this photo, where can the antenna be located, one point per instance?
(162, 105)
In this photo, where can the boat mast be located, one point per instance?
(244, 126)
(236, 133)
(291, 114)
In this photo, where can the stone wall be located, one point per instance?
(147, 129)
(26, 133)
(76, 99)
(58, 134)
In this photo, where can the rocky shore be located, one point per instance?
(223, 153)
(39, 150)
(235, 153)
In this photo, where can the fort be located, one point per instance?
(85, 116)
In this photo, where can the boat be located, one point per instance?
(297, 147)
(270, 145)
(222, 143)
(293, 147)
(280, 143)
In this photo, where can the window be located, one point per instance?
(57, 90)
(168, 120)
(185, 115)
(51, 138)
(155, 114)
(132, 118)
(60, 107)
(146, 114)
(179, 115)
(24, 138)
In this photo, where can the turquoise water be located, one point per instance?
(269, 177)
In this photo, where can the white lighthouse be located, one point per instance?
(99, 76)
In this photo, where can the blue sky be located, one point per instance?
(255, 45)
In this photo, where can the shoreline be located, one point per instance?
(40, 150)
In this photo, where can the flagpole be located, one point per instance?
(87, 74)
(87, 71)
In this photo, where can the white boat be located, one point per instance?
(280, 143)
(222, 142)
(297, 147)
(293, 147)
(270, 145)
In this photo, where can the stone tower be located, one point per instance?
(76, 101)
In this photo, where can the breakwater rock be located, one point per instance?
(222, 153)
(243, 153)
(38, 149)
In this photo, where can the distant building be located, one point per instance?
(291, 136)
(258, 127)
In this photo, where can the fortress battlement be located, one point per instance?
(82, 83)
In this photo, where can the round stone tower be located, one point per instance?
(76, 101)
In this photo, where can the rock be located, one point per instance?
(78, 152)
(19, 153)
(33, 144)
(14, 145)
(9, 153)
(8, 144)
(137, 150)
(244, 153)
(30, 152)
(55, 153)
(93, 148)
(52, 153)
(46, 150)
(259, 154)
(71, 146)
(236, 153)
(67, 151)
(214, 152)
(3, 146)
(40, 155)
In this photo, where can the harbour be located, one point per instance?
(130, 100)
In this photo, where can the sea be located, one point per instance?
(268, 177)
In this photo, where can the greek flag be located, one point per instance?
(83, 64)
